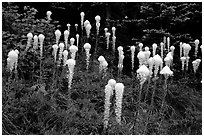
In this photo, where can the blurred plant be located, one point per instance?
(140, 46)
(168, 43)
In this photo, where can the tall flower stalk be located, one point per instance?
(29, 41)
(71, 63)
(41, 38)
(132, 48)
(66, 37)
(119, 89)
(57, 35)
(142, 75)
(87, 48)
(108, 93)
(73, 49)
(196, 47)
(166, 72)
(102, 66)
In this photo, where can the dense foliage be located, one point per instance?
(44, 105)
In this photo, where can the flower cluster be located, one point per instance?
(142, 74)
(12, 60)
(87, 48)
(196, 64)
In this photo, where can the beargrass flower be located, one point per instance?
(82, 19)
(77, 37)
(72, 40)
(154, 47)
(196, 46)
(150, 64)
(76, 26)
(140, 46)
(66, 37)
(88, 30)
(73, 49)
(187, 61)
(108, 93)
(157, 63)
(61, 48)
(65, 56)
(68, 27)
(55, 48)
(181, 48)
(41, 38)
(183, 59)
(196, 64)
(57, 35)
(12, 60)
(35, 42)
(113, 31)
(132, 48)
(106, 30)
(168, 43)
(162, 49)
(107, 39)
(87, 48)
(142, 73)
(119, 89)
(114, 40)
(141, 57)
(29, 36)
(186, 49)
(49, 13)
(71, 63)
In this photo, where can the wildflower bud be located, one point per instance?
(166, 72)
(77, 37)
(88, 29)
(72, 40)
(73, 49)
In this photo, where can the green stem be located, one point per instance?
(149, 80)
(163, 100)
(154, 88)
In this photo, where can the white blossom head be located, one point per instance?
(17, 52)
(58, 33)
(120, 48)
(143, 70)
(49, 13)
(150, 61)
(66, 33)
(141, 55)
(108, 34)
(169, 55)
(157, 60)
(197, 42)
(97, 18)
(154, 46)
(12, 55)
(166, 71)
(82, 14)
(104, 64)
(101, 59)
(183, 59)
(146, 48)
(87, 46)
(76, 25)
(61, 46)
(77, 36)
(41, 38)
(132, 48)
(86, 23)
(35, 39)
(65, 53)
(73, 48)
(172, 48)
(72, 40)
(71, 62)
(140, 45)
(55, 46)
(29, 35)
(119, 88)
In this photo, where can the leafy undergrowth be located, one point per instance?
(50, 108)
